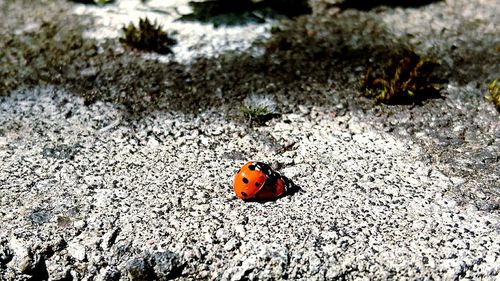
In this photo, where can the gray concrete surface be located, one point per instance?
(97, 195)
(89, 192)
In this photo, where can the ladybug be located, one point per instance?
(258, 181)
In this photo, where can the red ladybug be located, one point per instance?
(257, 181)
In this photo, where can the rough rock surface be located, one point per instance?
(91, 191)
(153, 198)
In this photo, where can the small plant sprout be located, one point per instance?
(494, 89)
(258, 108)
(148, 37)
(405, 79)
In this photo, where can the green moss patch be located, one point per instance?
(258, 109)
(256, 115)
(494, 89)
(406, 78)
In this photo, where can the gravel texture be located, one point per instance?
(87, 194)
(116, 166)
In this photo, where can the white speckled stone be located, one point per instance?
(369, 206)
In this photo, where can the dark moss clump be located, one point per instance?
(234, 12)
(406, 78)
(494, 89)
(148, 37)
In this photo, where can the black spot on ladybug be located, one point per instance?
(251, 167)
(243, 194)
(257, 184)
(238, 171)
(245, 180)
